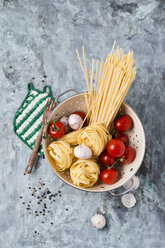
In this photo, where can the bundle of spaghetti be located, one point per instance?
(115, 76)
(84, 173)
(62, 154)
(71, 138)
(95, 136)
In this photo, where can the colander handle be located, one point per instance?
(125, 191)
(65, 92)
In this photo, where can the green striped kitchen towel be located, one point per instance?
(28, 118)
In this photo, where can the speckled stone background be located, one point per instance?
(39, 38)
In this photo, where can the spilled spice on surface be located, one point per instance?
(40, 203)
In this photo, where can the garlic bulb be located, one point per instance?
(65, 121)
(128, 200)
(98, 221)
(82, 152)
(135, 181)
(75, 121)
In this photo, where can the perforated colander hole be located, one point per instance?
(78, 108)
(70, 108)
(136, 135)
(63, 112)
(81, 103)
(137, 147)
(71, 103)
(133, 138)
(76, 101)
(57, 114)
(137, 141)
(67, 172)
(102, 187)
(133, 131)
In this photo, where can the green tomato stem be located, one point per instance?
(110, 167)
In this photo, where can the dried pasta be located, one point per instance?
(111, 84)
(84, 173)
(62, 153)
(95, 136)
(107, 83)
(71, 138)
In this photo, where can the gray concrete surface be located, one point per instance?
(39, 38)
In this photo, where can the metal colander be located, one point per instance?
(136, 138)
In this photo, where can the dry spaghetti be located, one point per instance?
(111, 85)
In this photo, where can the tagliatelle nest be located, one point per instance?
(84, 173)
(95, 136)
(62, 154)
(71, 138)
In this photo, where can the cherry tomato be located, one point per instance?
(109, 176)
(115, 148)
(56, 129)
(123, 138)
(106, 159)
(129, 155)
(80, 113)
(123, 123)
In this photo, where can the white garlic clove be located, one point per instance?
(128, 184)
(135, 181)
(98, 221)
(82, 152)
(128, 200)
(65, 121)
(75, 121)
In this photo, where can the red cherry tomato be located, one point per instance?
(106, 159)
(80, 113)
(123, 123)
(56, 129)
(129, 155)
(123, 138)
(115, 148)
(109, 176)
